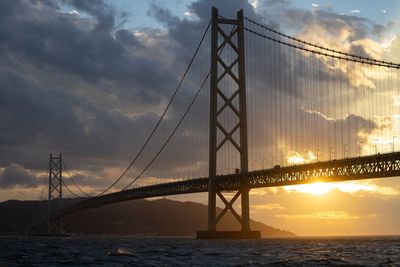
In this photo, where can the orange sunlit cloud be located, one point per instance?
(297, 158)
(269, 206)
(324, 215)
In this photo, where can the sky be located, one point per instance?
(89, 79)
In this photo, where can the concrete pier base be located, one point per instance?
(228, 235)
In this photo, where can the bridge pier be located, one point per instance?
(244, 220)
(235, 71)
(245, 210)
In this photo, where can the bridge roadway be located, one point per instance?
(367, 167)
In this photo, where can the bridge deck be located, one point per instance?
(376, 166)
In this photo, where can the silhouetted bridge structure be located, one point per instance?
(376, 166)
(326, 123)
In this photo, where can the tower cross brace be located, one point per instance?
(223, 101)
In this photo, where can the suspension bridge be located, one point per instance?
(256, 108)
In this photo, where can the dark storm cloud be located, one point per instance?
(36, 121)
(16, 175)
(54, 42)
(46, 55)
(103, 12)
(50, 119)
(28, 110)
(127, 38)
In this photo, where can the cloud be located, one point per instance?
(323, 215)
(73, 12)
(15, 175)
(254, 3)
(269, 206)
(263, 191)
(355, 11)
(388, 43)
(103, 12)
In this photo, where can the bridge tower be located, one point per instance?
(55, 226)
(223, 100)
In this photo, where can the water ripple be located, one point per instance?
(119, 251)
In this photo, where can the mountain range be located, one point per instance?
(160, 217)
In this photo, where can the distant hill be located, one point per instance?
(162, 217)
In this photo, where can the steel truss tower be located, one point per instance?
(55, 226)
(225, 73)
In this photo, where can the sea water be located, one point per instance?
(130, 251)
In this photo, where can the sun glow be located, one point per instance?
(346, 187)
(315, 189)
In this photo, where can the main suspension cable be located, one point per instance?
(66, 186)
(172, 133)
(390, 64)
(44, 183)
(73, 181)
(381, 64)
(162, 116)
(180, 121)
